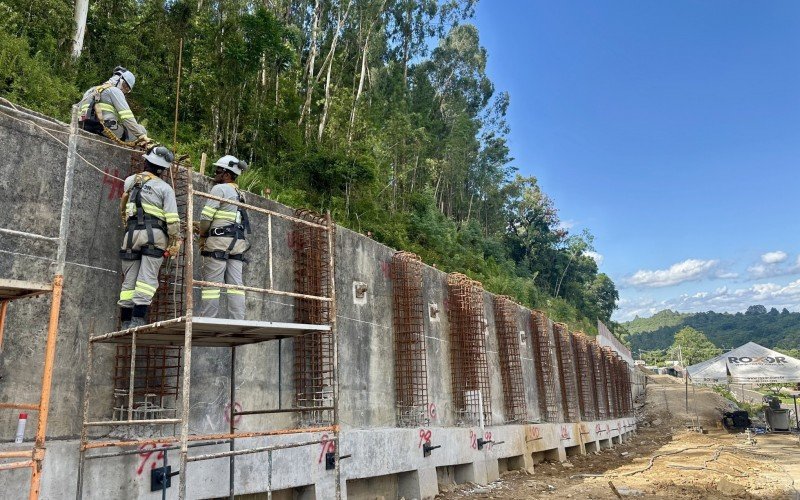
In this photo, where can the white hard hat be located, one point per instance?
(126, 76)
(160, 156)
(232, 164)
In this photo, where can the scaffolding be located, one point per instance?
(411, 361)
(188, 331)
(506, 313)
(11, 290)
(545, 371)
(472, 400)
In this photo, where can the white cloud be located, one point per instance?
(598, 258)
(688, 270)
(722, 299)
(773, 264)
(774, 257)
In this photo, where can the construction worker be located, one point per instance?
(104, 108)
(222, 240)
(150, 216)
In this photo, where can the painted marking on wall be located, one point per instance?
(565, 433)
(432, 414)
(326, 446)
(424, 437)
(116, 186)
(532, 433)
(227, 412)
(386, 269)
(146, 452)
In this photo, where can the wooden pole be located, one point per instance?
(177, 97)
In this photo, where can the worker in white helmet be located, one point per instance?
(150, 215)
(222, 240)
(104, 107)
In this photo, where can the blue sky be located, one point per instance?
(671, 130)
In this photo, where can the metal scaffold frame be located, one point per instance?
(188, 331)
(15, 290)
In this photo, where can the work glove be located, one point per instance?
(173, 248)
(201, 243)
(196, 227)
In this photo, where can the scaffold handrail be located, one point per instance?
(249, 451)
(260, 290)
(264, 211)
(209, 437)
(26, 234)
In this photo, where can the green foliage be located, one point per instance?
(693, 346)
(772, 329)
(379, 111)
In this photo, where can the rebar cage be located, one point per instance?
(471, 396)
(545, 370)
(583, 371)
(313, 352)
(505, 315)
(566, 367)
(410, 358)
(598, 369)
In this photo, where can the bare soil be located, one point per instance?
(666, 459)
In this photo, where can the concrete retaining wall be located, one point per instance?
(384, 457)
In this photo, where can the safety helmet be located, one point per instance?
(231, 164)
(160, 157)
(125, 76)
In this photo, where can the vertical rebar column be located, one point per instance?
(566, 368)
(471, 397)
(592, 377)
(609, 378)
(410, 358)
(600, 381)
(545, 371)
(313, 352)
(506, 313)
(583, 373)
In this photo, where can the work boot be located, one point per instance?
(139, 315)
(125, 315)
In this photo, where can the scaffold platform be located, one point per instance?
(210, 332)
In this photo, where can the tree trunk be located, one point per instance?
(81, 12)
(312, 56)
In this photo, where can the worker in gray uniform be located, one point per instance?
(150, 215)
(222, 240)
(104, 107)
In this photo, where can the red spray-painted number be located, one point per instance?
(424, 437)
(116, 186)
(326, 446)
(146, 452)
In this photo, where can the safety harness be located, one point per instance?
(235, 231)
(91, 122)
(138, 219)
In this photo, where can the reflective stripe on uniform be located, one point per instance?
(208, 212)
(145, 289)
(126, 114)
(211, 293)
(126, 295)
(226, 215)
(170, 217)
(231, 291)
(156, 212)
(108, 108)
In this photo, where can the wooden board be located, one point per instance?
(217, 332)
(15, 289)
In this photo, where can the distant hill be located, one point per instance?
(770, 328)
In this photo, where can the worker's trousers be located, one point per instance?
(141, 276)
(222, 271)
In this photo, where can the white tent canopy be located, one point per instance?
(748, 364)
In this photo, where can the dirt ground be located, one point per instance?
(665, 459)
